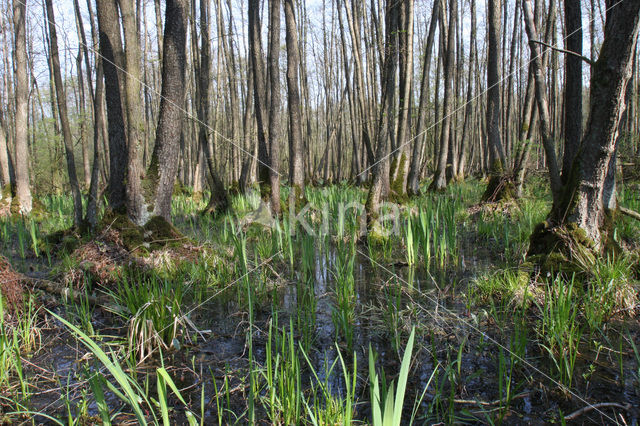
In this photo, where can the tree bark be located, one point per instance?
(573, 86)
(163, 169)
(138, 198)
(296, 169)
(23, 186)
(273, 64)
(112, 60)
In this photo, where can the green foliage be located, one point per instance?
(152, 308)
(387, 403)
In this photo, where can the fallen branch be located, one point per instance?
(575, 414)
(59, 289)
(630, 213)
(489, 403)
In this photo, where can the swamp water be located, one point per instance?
(479, 366)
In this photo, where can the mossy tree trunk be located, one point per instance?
(580, 212)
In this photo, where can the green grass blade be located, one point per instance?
(133, 399)
(402, 380)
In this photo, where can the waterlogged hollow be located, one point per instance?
(477, 358)
(453, 338)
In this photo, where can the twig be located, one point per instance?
(568, 52)
(575, 414)
(496, 402)
(629, 212)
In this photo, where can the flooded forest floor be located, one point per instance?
(243, 319)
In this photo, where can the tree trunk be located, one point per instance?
(219, 200)
(420, 137)
(296, 169)
(163, 169)
(543, 104)
(573, 85)
(273, 64)
(259, 94)
(579, 213)
(112, 60)
(5, 177)
(138, 198)
(385, 128)
(23, 187)
(405, 95)
(469, 104)
(499, 186)
(61, 98)
(439, 182)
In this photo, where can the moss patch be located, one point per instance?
(159, 232)
(398, 192)
(499, 188)
(63, 241)
(565, 248)
(180, 189)
(156, 234)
